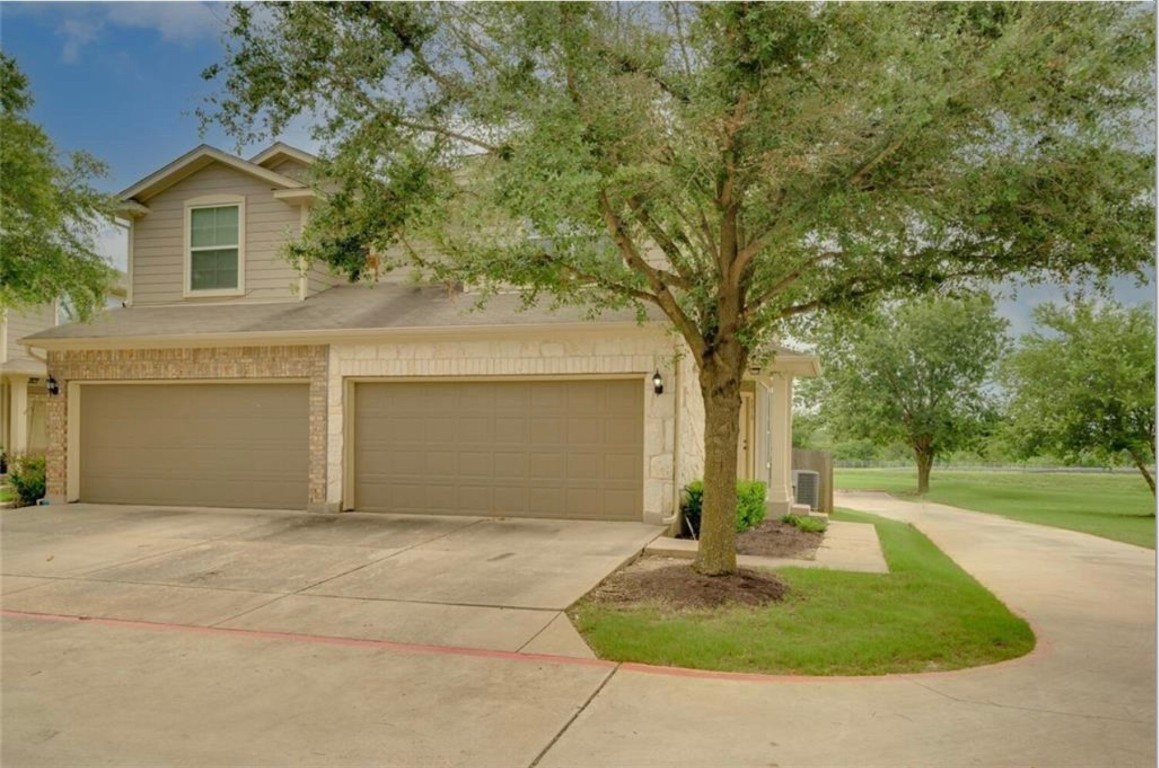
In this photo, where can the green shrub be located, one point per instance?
(26, 476)
(750, 505)
(807, 524)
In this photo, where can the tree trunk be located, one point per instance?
(925, 459)
(1142, 467)
(720, 383)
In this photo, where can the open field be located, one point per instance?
(1115, 506)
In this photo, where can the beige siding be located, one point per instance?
(293, 169)
(159, 239)
(320, 279)
(21, 323)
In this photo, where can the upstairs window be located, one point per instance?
(215, 248)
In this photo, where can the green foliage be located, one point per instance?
(913, 372)
(26, 475)
(1114, 506)
(750, 507)
(49, 213)
(926, 614)
(807, 524)
(750, 504)
(692, 504)
(1082, 385)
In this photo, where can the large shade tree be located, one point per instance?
(49, 212)
(914, 372)
(1082, 385)
(732, 166)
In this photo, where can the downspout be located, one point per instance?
(672, 521)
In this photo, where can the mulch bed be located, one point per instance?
(673, 583)
(772, 538)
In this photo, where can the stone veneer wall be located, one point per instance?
(297, 362)
(636, 352)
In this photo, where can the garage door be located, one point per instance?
(566, 449)
(218, 445)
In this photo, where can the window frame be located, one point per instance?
(212, 201)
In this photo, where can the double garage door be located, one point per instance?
(569, 449)
(212, 445)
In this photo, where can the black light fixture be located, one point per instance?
(657, 383)
(52, 387)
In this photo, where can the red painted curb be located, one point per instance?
(1041, 648)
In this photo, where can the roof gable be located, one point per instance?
(279, 151)
(192, 162)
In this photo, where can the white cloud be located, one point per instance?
(81, 24)
(176, 22)
(77, 33)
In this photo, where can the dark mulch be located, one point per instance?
(674, 583)
(772, 538)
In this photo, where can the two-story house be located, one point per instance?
(234, 378)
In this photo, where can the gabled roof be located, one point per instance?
(192, 162)
(280, 151)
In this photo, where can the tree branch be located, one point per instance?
(664, 298)
(860, 174)
(683, 280)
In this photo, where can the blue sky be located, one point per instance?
(121, 80)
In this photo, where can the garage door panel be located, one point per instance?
(545, 449)
(230, 445)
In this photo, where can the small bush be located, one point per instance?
(750, 505)
(26, 476)
(807, 524)
(692, 499)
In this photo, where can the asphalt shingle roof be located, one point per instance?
(349, 307)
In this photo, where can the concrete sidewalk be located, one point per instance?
(846, 547)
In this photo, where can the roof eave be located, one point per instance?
(321, 336)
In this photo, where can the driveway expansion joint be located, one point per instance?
(579, 711)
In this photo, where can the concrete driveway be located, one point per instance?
(496, 584)
(116, 691)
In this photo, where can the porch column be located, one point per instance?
(779, 500)
(18, 410)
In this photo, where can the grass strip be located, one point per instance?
(927, 614)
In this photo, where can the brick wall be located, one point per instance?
(225, 363)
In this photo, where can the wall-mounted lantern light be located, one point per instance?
(657, 383)
(52, 387)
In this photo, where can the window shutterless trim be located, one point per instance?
(212, 201)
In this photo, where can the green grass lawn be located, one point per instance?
(6, 494)
(926, 614)
(1115, 506)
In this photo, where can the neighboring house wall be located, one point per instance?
(159, 239)
(20, 323)
(521, 354)
(23, 397)
(73, 368)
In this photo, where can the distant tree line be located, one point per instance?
(939, 380)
